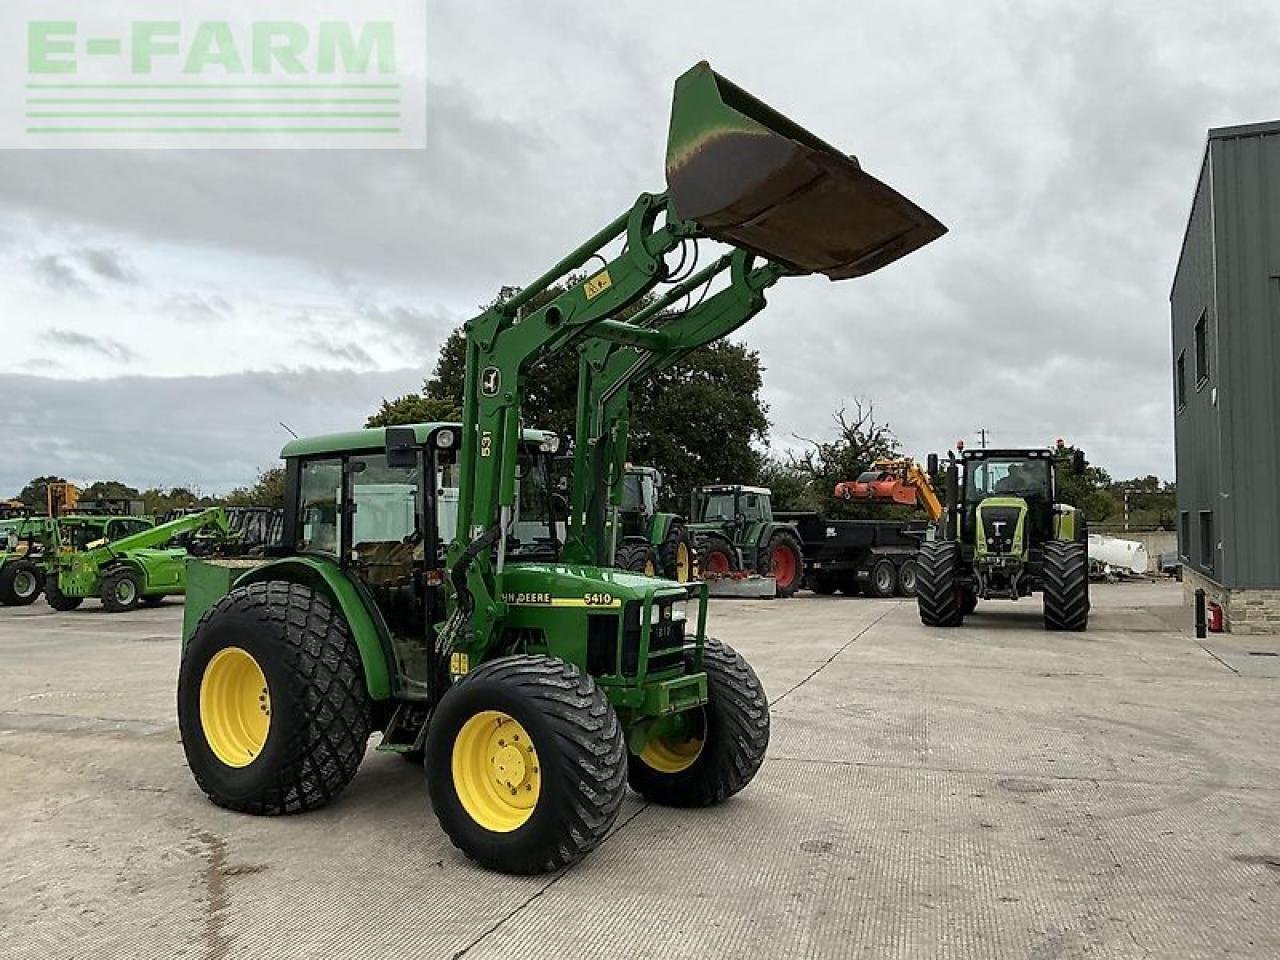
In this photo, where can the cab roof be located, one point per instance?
(375, 438)
(1007, 453)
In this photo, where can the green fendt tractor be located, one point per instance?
(25, 543)
(649, 541)
(537, 679)
(121, 569)
(1005, 536)
(735, 530)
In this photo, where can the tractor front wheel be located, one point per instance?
(56, 598)
(526, 764)
(121, 590)
(785, 562)
(638, 558)
(722, 744)
(716, 555)
(939, 594)
(19, 583)
(1066, 586)
(676, 554)
(272, 704)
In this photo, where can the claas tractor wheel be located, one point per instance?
(711, 752)
(940, 596)
(20, 583)
(676, 554)
(784, 560)
(1066, 586)
(56, 598)
(526, 764)
(121, 590)
(638, 558)
(272, 703)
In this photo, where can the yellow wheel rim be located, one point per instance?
(667, 755)
(495, 771)
(682, 563)
(650, 569)
(235, 707)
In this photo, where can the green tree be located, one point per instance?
(267, 491)
(860, 440)
(159, 500)
(34, 493)
(414, 408)
(789, 486)
(1087, 489)
(108, 490)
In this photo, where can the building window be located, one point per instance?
(1202, 350)
(1180, 379)
(1207, 544)
(1184, 535)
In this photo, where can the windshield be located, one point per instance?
(632, 493)
(531, 533)
(718, 506)
(1014, 477)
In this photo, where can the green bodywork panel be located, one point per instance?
(1066, 522)
(26, 538)
(1019, 544)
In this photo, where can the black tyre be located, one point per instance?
(676, 553)
(716, 555)
(1066, 586)
(824, 583)
(526, 764)
(121, 590)
(153, 601)
(272, 703)
(907, 579)
(938, 591)
(21, 582)
(723, 745)
(638, 558)
(783, 559)
(882, 579)
(56, 598)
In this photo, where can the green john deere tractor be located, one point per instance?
(1005, 536)
(649, 541)
(424, 589)
(25, 542)
(735, 531)
(127, 565)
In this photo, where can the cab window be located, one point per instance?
(319, 490)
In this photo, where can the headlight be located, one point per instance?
(444, 439)
(680, 611)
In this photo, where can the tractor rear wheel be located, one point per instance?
(272, 704)
(676, 554)
(824, 583)
(20, 583)
(638, 558)
(722, 746)
(1066, 585)
(882, 580)
(907, 579)
(939, 594)
(121, 590)
(785, 561)
(56, 598)
(526, 764)
(716, 555)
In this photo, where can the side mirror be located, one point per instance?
(1077, 462)
(931, 465)
(401, 447)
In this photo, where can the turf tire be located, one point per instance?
(320, 707)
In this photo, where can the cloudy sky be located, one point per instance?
(163, 311)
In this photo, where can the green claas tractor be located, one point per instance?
(424, 589)
(121, 568)
(24, 544)
(735, 531)
(1005, 536)
(649, 541)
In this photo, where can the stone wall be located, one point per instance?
(1244, 611)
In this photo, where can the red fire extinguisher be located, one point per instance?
(1215, 617)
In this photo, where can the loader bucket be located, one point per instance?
(750, 177)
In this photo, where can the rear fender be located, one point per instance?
(367, 627)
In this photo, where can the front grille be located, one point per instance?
(666, 640)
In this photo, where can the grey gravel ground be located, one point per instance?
(992, 791)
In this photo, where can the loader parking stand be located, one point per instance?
(576, 646)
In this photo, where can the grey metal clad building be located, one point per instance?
(1225, 306)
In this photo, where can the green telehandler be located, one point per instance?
(1004, 535)
(736, 531)
(24, 544)
(423, 590)
(648, 540)
(122, 571)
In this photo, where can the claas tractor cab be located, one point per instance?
(649, 540)
(1004, 535)
(432, 585)
(736, 532)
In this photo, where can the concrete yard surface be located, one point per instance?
(994, 791)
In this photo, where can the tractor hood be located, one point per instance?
(570, 585)
(1001, 526)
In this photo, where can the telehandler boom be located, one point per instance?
(423, 590)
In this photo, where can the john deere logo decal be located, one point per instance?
(490, 381)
